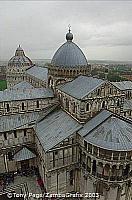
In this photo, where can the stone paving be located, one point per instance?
(30, 184)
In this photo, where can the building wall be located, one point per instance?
(35, 82)
(106, 96)
(16, 137)
(68, 167)
(21, 106)
(15, 75)
(10, 143)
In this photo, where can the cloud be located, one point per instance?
(99, 27)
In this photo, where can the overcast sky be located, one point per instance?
(102, 29)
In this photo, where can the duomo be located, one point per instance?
(74, 128)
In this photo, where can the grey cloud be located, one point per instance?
(41, 26)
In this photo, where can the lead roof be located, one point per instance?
(55, 127)
(123, 85)
(38, 72)
(81, 86)
(108, 132)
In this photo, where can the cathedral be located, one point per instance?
(74, 128)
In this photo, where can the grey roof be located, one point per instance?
(110, 133)
(12, 122)
(22, 85)
(19, 59)
(38, 72)
(94, 122)
(81, 86)
(56, 127)
(24, 154)
(127, 104)
(69, 55)
(25, 94)
(123, 85)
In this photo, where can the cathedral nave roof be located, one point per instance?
(81, 86)
(38, 72)
(25, 94)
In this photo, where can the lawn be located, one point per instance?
(3, 84)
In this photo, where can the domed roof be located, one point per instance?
(69, 54)
(19, 59)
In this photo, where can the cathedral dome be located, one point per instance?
(19, 59)
(69, 54)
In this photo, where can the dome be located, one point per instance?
(19, 59)
(69, 54)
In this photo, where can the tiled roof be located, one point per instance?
(38, 72)
(81, 86)
(55, 127)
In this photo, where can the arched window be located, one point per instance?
(22, 106)
(71, 177)
(5, 135)
(89, 164)
(118, 102)
(98, 92)
(67, 103)
(106, 171)
(94, 167)
(87, 107)
(74, 107)
(113, 173)
(37, 103)
(74, 72)
(15, 134)
(103, 104)
(8, 107)
(126, 170)
(100, 170)
(25, 132)
(110, 90)
(10, 156)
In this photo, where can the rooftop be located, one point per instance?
(22, 86)
(24, 154)
(55, 127)
(123, 85)
(81, 86)
(19, 59)
(127, 104)
(11, 122)
(69, 54)
(108, 131)
(38, 72)
(25, 94)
